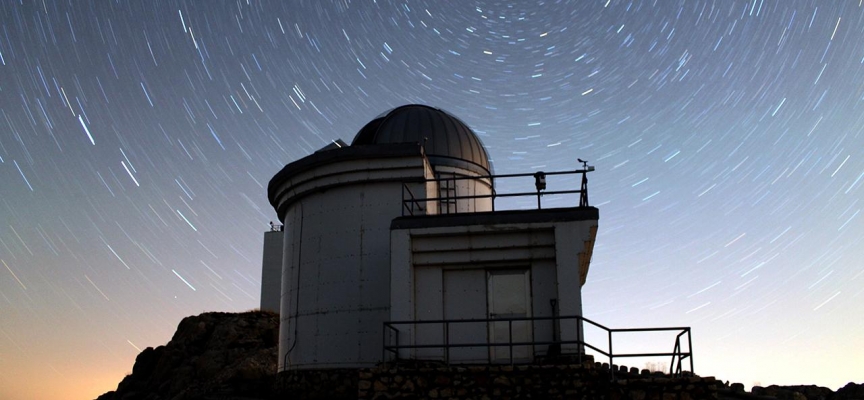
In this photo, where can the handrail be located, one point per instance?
(676, 369)
(405, 202)
(539, 177)
(678, 353)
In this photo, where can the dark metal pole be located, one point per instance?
(675, 351)
(583, 195)
(455, 201)
(690, 350)
(555, 348)
(447, 343)
(581, 344)
(510, 338)
(611, 368)
(492, 181)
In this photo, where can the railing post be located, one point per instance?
(447, 343)
(510, 338)
(675, 351)
(492, 182)
(690, 351)
(611, 357)
(397, 344)
(583, 191)
(581, 343)
(455, 201)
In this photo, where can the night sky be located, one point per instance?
(137, 140)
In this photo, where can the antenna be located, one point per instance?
(583, 192)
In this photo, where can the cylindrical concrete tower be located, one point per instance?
(337, 206)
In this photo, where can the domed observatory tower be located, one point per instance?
(453, 152)
(400, 228)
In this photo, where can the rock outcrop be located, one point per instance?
(851, 391)
(212, 355)
(811, 392)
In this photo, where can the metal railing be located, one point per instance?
(409, 204)
(412, 203)
(392, 344)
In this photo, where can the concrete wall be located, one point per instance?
(271, 271)
(573, 239)
(336, 278)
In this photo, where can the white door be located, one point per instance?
(509, 296)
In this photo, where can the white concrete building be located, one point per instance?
(271, 269)
(392, 243)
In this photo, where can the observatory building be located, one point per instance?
(392, 247)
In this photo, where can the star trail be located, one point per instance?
(137, 140)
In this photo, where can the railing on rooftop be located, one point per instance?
(392, 344)
(413, 205)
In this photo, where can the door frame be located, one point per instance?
(526, 273)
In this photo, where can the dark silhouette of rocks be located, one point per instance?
(212, 355)
(231, 356)
(851, 391)
(811, 392)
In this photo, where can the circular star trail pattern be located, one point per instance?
(137, 140)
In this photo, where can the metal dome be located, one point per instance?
(446, 139)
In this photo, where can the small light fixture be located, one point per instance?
(540, 180)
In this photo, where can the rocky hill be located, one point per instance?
(233, 356)
(211, 356)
